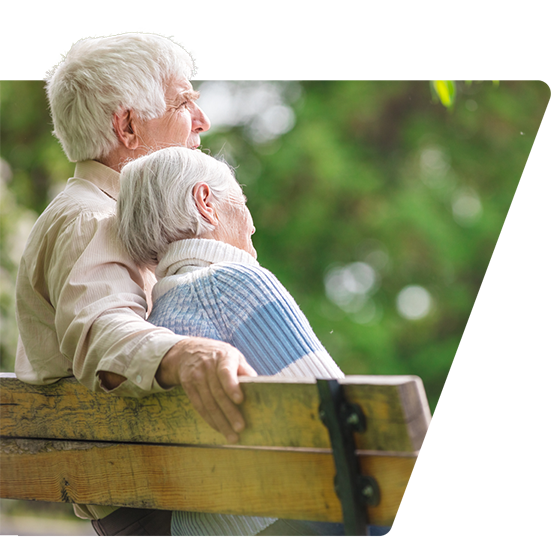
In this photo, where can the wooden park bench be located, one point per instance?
(305, 441)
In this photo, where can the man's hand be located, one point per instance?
(207, 370)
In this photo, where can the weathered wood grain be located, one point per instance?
(63, 443)
(279, 413)
(295, 484)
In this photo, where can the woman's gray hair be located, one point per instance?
(156, 205)
(100, 76)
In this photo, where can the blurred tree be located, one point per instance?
(32, 167)
(380, 209)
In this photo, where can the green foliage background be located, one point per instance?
(370, 172)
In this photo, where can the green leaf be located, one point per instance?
(445, 89)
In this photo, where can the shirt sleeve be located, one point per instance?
(100, 308)
(266, 324)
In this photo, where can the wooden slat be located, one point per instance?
(295, 484)
(278, 412)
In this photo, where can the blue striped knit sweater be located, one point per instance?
(211, 289)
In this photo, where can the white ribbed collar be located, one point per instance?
(187, 255)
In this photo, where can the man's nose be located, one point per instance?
(200, 121)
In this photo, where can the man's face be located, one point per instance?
(180, 125)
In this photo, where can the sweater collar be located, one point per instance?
(187, 255)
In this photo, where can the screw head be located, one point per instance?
(368, 491)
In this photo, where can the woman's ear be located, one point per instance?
(124, 125)
(204, 202)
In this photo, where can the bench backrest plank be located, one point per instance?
(279, 413)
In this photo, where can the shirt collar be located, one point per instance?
(105, 178)
(186, 255)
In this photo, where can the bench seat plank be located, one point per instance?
(292, 483)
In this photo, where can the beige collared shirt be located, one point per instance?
(81, 302)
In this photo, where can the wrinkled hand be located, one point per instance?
(499, 483)
(207, 370)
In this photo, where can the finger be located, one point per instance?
(245, 369)
(225, 403)
(226, 377)
(216, 405)
(228, 371)
(197, 404)
(207, 409)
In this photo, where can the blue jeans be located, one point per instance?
(474, 514)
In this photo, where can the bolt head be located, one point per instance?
(368, 491)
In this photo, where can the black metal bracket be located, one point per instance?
(355, 491)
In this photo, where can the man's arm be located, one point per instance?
(97, 300)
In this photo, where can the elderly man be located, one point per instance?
(81, 301)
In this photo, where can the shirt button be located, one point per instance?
(139, 379)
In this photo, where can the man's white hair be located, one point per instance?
(101, 76)
(156, 205)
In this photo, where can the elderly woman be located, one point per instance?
(184, 213)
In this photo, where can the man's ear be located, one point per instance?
(123, 124)
(204, 202)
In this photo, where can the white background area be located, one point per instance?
(295, 40)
